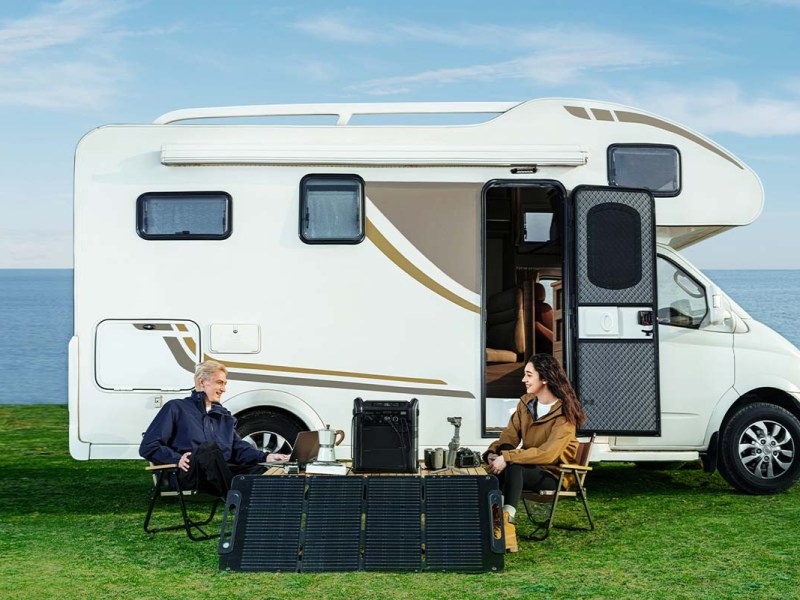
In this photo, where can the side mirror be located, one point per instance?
(717, 313)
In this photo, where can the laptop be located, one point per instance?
(304, 451)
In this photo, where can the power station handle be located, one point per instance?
(226, 537)
(495, 503)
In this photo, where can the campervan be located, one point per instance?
(424, 250)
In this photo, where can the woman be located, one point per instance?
(545, 421)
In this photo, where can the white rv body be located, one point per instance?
(307, 327)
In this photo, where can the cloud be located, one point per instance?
(36, 248)
(548, 64)
(722, 107)
(64, 23)
(337, 29)
(51, 58)
(73, 85)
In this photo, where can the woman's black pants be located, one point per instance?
(515, 478)
(208, 471)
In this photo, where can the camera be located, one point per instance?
(467, 458)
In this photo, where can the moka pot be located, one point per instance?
(328, 439)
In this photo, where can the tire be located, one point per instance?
(759, 449)
(269, 430)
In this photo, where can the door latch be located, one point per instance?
(645, 318)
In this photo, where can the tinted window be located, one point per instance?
(184, 215)
(332, 209)
(654, 168)
(681, 299)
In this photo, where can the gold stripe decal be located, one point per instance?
(624, 116)
(190, 344)
(393, 254)
(345, 385)
(179, 353)
(578, 111)
(631, 117)
(282, 369)
(187, 363)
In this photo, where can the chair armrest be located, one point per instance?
(160, 467)
(574, 467)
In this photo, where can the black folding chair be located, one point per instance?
(162, 474)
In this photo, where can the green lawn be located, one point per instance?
(73, 529)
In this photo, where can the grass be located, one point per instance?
(73, 529)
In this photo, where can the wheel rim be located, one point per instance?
(269, 442)
(766, 449)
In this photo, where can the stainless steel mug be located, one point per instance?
(429, 458)
(438, 458)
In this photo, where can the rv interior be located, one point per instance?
(524, 300)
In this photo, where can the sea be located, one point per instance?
(36, 313)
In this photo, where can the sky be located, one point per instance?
(729, 69)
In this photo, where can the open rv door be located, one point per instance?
(616, 345)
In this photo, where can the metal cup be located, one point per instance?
(438, 458)
(429, 452)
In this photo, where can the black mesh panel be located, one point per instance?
(616, 383)
(610, 254)
(614, 241)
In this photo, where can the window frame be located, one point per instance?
(654, 193)
(140, 231)
(693, 278)
(362, 205)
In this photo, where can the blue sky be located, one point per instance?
(729, 69)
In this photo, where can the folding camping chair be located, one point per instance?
(570, 484)
(162, 474)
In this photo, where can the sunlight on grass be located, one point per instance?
(73, 529)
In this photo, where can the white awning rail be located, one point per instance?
(343, 112)
(177, 155)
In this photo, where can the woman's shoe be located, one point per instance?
(511, 533)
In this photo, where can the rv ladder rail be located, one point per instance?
(344, 112)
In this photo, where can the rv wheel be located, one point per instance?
(269, 430)
(758, 449)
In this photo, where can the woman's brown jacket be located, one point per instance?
(550, 440)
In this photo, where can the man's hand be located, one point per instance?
(183, 463)
(276, 457)
(497, 464)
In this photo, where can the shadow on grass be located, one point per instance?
(85, 489)
(626, 480)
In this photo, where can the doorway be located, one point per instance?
(523, 273)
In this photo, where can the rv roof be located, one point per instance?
(344, 112)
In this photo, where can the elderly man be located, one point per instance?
(199, 435)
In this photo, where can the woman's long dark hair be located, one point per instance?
(550, 370)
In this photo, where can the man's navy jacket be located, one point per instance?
(182, 425)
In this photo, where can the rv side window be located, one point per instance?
(654, 168)
(538, 226)
(681, 299)
(332, 209)
(183, 215)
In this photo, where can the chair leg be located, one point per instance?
(541, 526)
(188, 524)
(582, 494)
(153, 498)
